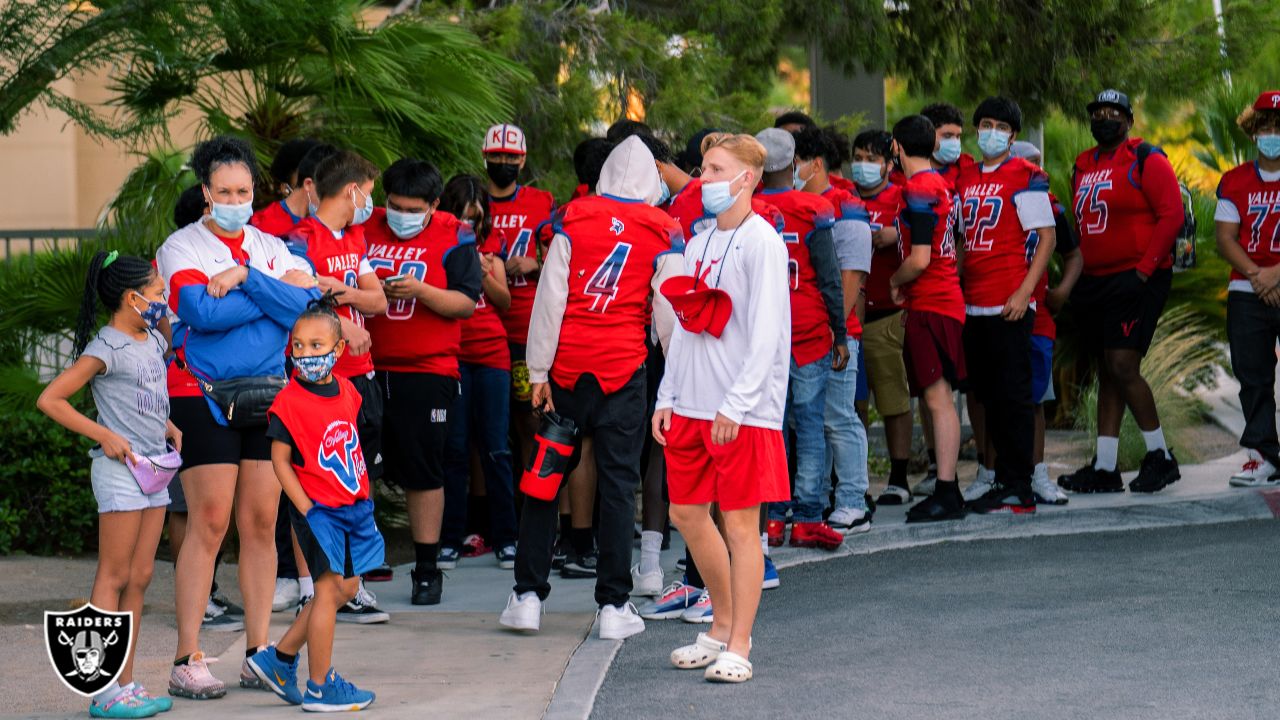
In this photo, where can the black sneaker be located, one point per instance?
(1089, 479)
(227, 606)
(427, 587)
(941, 505)
(362, 609)
(1157, 473)
(1003, 500)
(559, 554)
(579, 566)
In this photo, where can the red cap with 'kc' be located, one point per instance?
(698, 306)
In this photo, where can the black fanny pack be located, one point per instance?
(244, 401)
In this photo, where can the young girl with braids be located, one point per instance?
(123, 363)
(318, 459)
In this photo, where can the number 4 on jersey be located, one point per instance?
(603, 285)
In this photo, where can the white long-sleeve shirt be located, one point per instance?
(742, 374)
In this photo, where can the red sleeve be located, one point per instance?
(1160, 186)
(181, 279)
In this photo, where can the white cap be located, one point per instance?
(504, 139)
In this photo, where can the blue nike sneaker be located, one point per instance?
(771, 579)
(279, 676)
(335, 695)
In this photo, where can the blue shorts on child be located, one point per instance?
(342, 540)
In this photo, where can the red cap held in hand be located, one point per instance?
(698, 306)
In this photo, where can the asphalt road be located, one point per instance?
(1171, 623)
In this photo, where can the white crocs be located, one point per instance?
(701, 653)
(728, 668)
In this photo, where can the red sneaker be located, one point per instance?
(815, 534)
(776, 529)
(474, 546)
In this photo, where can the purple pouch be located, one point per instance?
(154, 473)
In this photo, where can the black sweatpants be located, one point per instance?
(998, 358)
(1252, 330)
(615, 422)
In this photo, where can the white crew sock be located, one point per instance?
(1041, 471)
(306, 586)
(1108, 451)
(650, 551)
(108, 694)
(764, 543)
(1155, 441)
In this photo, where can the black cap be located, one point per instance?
(1111, 97)
(691, 156)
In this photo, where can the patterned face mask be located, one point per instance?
(317, 367)
(154, 313)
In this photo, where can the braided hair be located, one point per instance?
(111, 275)
(325, 308)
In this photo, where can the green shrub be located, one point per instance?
(46, 502)
(1181, 358)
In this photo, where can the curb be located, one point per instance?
(575, 694)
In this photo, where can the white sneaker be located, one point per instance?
(619, 623)
(981, 486)
(287, 593)
(524, 612)
(646, 584)
(849, 521)
(1257, 472)
(1046, 490)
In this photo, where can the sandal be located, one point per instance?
(728, 667)
(701, 653)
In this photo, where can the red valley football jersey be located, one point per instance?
(883, 208)
(342, 259)
(518, 217)
(937, 289)
(1258, 205)
(410, 337)
(275, 219)
(614, 246)
(334, 472)
(803, 214)
(484, 339)
(995, 243)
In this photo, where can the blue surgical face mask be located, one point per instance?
(312, 208)
(798, 181)
(993, 142)
(664, 193)
(363, 212)
(231, 217)
(1269, 146)
(716, 197)
(404, 224)
(154, 313)
(948, 151)
(867, 174)
(317, 367)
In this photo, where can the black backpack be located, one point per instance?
(1184, 245)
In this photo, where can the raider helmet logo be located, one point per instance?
(88, 646)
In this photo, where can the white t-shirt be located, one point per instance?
(742, 374)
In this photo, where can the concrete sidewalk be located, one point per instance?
(454, 660)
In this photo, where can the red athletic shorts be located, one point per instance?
(748, 471)
(933, 350)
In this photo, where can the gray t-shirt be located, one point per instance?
(132, 395)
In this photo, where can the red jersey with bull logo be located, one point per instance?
(519, 216)
(996, 255)
(411, 337)
(849, 209)
(1257, 203)
(883, 209)
(937, 290)
(484, 338)
(343, 259)
(333, 472)
(614, 246)
(1126, 220)
(275, 219)
(803, 214)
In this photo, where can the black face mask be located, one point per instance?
(1107, 132)
(502, 174)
